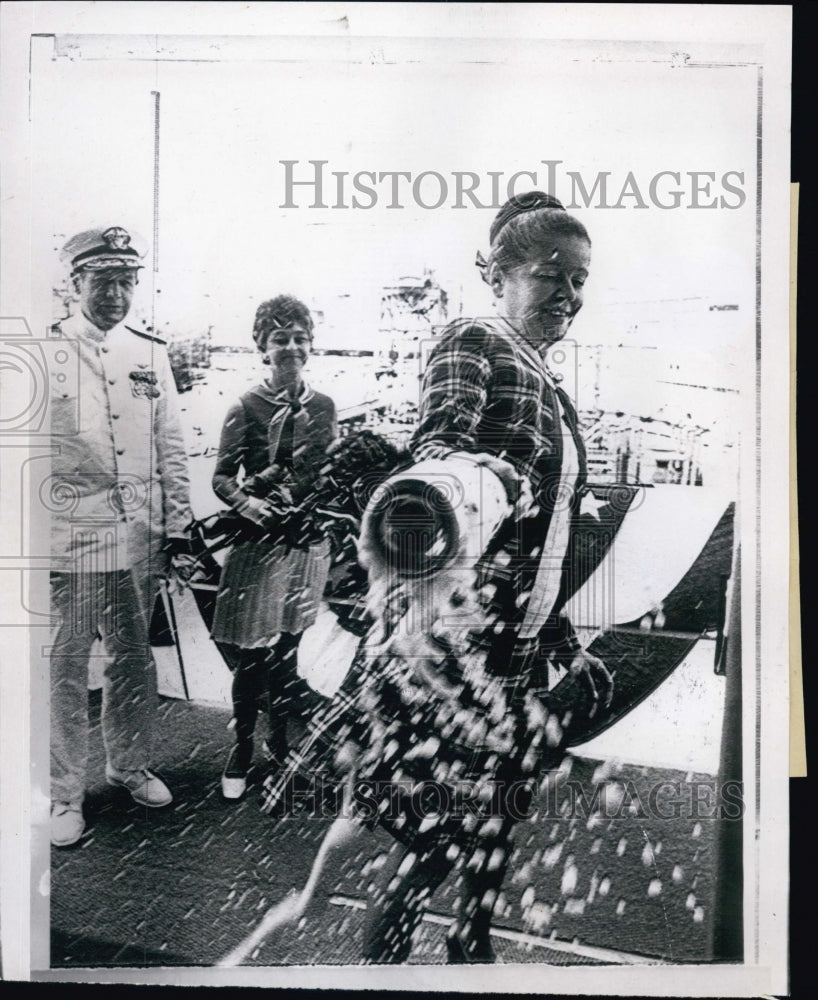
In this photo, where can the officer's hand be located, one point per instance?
(182, 568)
(597, 677)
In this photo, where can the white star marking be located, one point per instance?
(590, 505)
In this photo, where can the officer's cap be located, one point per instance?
(99, 248)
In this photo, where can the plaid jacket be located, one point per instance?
(486, 388)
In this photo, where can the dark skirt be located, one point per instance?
(266, 589)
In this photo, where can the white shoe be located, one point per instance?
(67, 824)
(145, 787)
(234, 777)
(233, 788)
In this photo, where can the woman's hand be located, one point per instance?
(504, 470)
(279, 497)
(272, 484)
(255, 510)
(518, 490)
(596, 676)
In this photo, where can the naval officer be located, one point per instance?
(119, 472)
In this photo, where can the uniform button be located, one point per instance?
(104, 350)
(111, 381)
(120, 451)
(114, 416)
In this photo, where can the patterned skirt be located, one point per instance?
(432, 771)
(267, 589)
(450, 732)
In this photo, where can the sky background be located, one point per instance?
(231, 110)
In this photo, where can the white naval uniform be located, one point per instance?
(119, 472)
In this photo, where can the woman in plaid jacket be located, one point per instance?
(489, 396)
(466, 724)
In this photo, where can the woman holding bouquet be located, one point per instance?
(273, 444)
